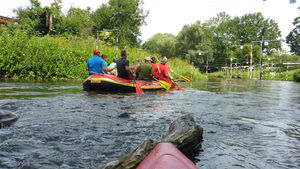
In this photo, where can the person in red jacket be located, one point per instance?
(155, 67)
(164, 72)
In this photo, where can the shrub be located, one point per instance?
(297, 76)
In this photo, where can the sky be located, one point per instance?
(169, 16)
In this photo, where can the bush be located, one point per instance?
(297, 76)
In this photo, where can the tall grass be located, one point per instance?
(24, 57)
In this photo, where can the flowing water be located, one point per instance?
(246, 124)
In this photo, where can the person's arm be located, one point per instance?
(87, 67)
(136, 72)
(158, 70)
(152, 72)
(112, 68)
(105, 70)
(129, 71)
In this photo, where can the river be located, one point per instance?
(247, 124)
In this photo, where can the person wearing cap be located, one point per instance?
(164, 72)
(155, 67)
(167, 65)
(145, 70)
(123, 67)
(96, 64)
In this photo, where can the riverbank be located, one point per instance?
(58, 58)
(282, 74)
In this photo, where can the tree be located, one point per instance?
(222, 38)
(75, 22)
(194, 43)
(293, 39)
(32, 18)
(163, 44)
(125, 15)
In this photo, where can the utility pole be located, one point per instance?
(251, 61)
(262, 51)
(206, 65)
(230, 67)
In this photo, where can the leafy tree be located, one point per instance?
(293, 39)
(221, 38)
(32, 18)
(75, 22)
(164, 44)
(194, 43)
(125, 15)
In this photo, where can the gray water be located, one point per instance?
(246, 124)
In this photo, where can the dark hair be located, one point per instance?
(104, 56)
(115, 60)
(153, 59)
(123, 53)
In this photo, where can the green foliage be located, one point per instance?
(125, 15)
(47, 57)
(297, 76)
(293, 39)
(194, 43)
(163, 44)
(76, 23)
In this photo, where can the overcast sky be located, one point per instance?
(169, 16)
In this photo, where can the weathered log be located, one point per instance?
(132, 159)
(183, 133)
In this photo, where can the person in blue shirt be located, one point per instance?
(96, 64)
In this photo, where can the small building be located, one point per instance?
(6, 20)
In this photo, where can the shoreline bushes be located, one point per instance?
(50, 57)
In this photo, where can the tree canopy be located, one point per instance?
(220, 38)
(126, 16)
(293, 39)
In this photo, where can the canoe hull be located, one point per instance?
(166, 156)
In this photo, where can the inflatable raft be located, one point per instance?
(110, 83)
(166, 156)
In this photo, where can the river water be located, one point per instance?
(247, 124)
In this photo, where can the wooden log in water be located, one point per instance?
(132, 159)
(184, 133)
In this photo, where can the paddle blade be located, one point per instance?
(165, 85)
(179, 88)
(186, 79)
(139, 89)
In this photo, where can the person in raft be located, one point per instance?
(114, 65)
(139, 62)
(155, 67)
(145, 70)
(164, 71)
(123, 67)
(104, 57)
(96, 64)
(167, 65)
